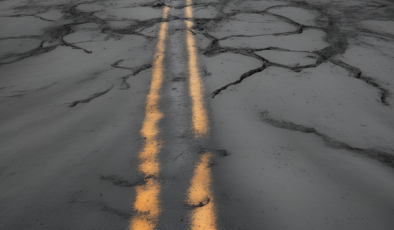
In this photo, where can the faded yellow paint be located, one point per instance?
(166, 9)
(200, 196)
(196, 87)
(203, 217)
(147, 203)
(188, 11)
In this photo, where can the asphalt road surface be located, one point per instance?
(196, 114)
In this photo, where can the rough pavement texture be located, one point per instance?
(300, 95)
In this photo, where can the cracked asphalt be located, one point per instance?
(196, 114)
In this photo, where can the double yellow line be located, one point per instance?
(147, 203)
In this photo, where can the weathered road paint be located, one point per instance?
(199, 196)
(196, 87)
(147, 203)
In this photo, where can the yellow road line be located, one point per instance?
(200, 196)
(196, 87)
(147, 203)
(203, 217)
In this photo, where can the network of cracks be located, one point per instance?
(247, 28)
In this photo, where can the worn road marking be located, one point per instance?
(147, 203)
(200, 196)
(196, 87)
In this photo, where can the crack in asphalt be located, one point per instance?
(121, 182)
(132, 29)
(75, 46)
(334, 36)
(356, 73)
(245, 75)
(141, 68)
(105, 208)
(31, 53)
(381, 156)
(222, 152)
(22, 37)
(126, 215)
(30, 15)
(54, 36)
(182, 6)
(135, 71)
(202, 203)
(116, 65)
(87, 100)
(27, 92)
